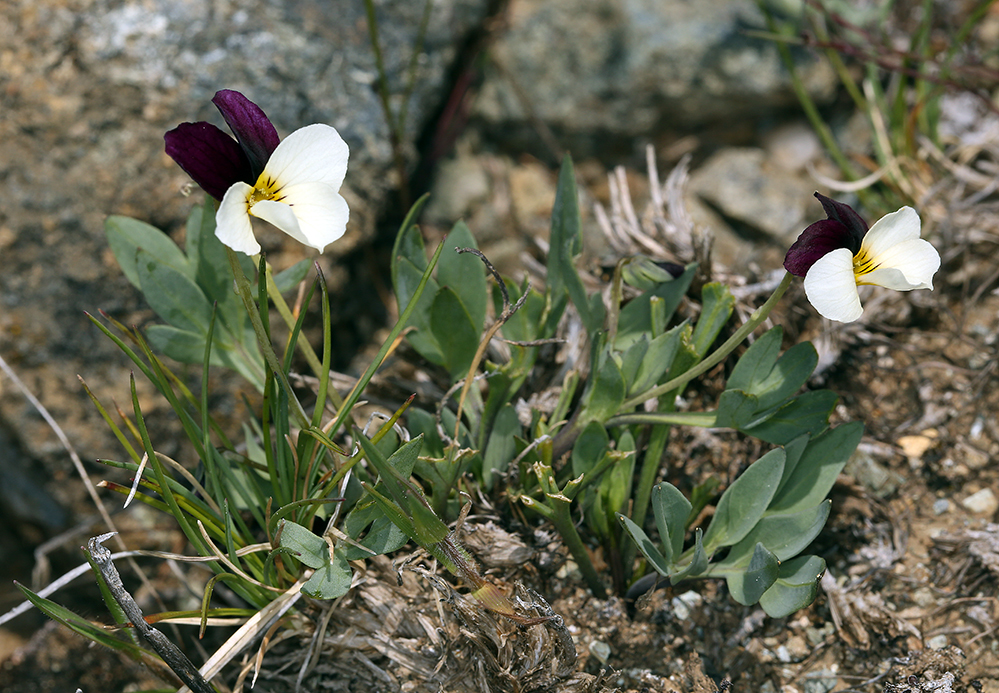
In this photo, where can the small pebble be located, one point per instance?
(982, 503)
(600, 650)
(937, 642)
(940, 506)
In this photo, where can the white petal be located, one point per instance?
(890, 230)
(279, 214)
(905, 266)
(313, 154)
(322, 213)
(831, 287)
(232, 222)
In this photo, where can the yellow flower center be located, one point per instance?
(863, 264)
(265, 189)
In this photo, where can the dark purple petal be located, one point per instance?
(845, 215)
(255, 133)
(818, 239)
(212, 158)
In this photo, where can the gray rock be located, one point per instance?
(607, 70)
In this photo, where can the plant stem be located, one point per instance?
(577, 549)
(719, 355)
(246, 293)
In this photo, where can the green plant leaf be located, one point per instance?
(671, 510)
(173, 294)
(80, 625)
(787, 534)
(382, 537)
(590, 448)
(127, 236)
(407, 279)
(453, 331)
(698, 562)
(565, 243)
(289, 278)
(717, 303)
(631, 360)
(796, 586)
(657, 361)
(636, 316)
(814, 475)
(309, 549)
(760, 373)
(747, 586)
(464, 274)
(331, 580)
(806, 413)
(606, 392)
(502, 445)
(744, 502)
(645, 545)
(525, 324)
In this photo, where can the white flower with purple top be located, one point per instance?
(838, 254)
(292, 183)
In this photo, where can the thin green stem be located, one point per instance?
(246, 293)
(577, 549)
(719, 355)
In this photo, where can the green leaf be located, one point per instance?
(645, 545)
(180, 345)
(643, 273)
(671, 510)
(744, 502)
(173, 295)
(606, 393)
(657, 360)
(717, 303)
(787, 534)
(807, 413)
(464, 274)
(814, 475)
(409, 246)
(128, 236)
(288, 279)
(796, 586)
(453, 330)
(759, 372)
(747, 586)
(698, 562)
(636, 316)
(383, 536)
(565, 243)
(408, 278)
(311, 550)
(631, 360)
(502, 445)
(331, 580)
(212, 273)
(590, 448)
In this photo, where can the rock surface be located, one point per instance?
(600, 72)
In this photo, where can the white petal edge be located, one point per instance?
(313, 154)
(891, 229)
(905, 266)
(232, 222)
(831, 287)
(321, 211)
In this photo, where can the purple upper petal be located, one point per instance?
(818, 239)
(845, 215)
(843, 229)
(255, 133)
(212, 158)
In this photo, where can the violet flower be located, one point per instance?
(292, 183)
(838, 254)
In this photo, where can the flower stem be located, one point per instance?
(246, 293)
(719, 355)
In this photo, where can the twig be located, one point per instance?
(164, 647)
